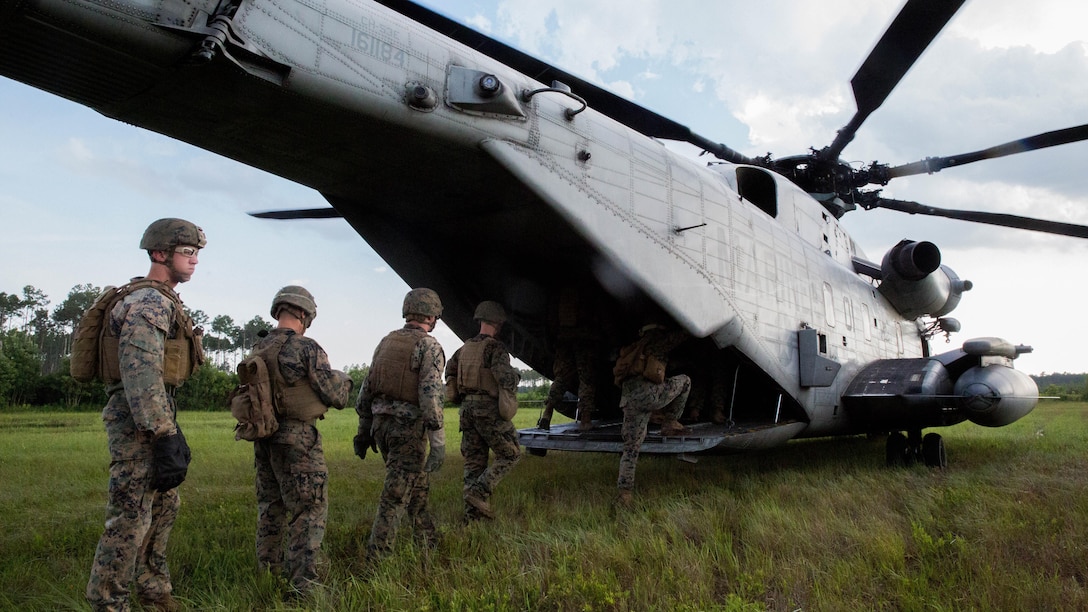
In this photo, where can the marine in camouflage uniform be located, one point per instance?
(400, 411)
(641, 397)
(139, 414)
(292, 478)
(709, 391)
(577, 344)
(483, 429)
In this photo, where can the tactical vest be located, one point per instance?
(472, 375)
(183, 353)
(296, 401)
(635, 360)
(391, 373)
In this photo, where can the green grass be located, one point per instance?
(816, 525)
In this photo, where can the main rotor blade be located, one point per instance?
(909, 34)
(1014, 221)
(621, 109)
(308, 213)
(1031, 143)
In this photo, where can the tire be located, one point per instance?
(933, 451)
(896, 450)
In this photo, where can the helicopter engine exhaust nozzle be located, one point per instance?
(996, 395)
(912, 261)
(916, 283)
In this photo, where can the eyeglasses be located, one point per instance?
(187, 251)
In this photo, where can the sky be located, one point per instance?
(78, 189)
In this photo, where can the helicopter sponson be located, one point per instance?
(976, 382)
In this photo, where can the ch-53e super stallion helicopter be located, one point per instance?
(420, 131)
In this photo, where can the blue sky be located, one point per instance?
(77, 189)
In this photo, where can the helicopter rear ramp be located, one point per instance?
(605, 437)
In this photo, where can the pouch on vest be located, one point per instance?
(654, 370)
(631, 362)
(508, 404)
(251, 402)
(85, 341)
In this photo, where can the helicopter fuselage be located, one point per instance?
(471, 178)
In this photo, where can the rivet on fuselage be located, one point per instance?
(420, 97)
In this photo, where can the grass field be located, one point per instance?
(816, 525)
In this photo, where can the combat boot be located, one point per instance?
(545, 421)
(674, 428)
(585, 421)
(162, 604)
(625, 499)
(480, 504)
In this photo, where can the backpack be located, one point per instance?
(93, 354)
(253, 402)
(633, 361)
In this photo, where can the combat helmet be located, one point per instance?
(165, 234)
(492, 312)
(423, 302)
(299, 297)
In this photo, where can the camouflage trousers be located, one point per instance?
(710, 388)
(482, 431)
(641, 398)
(138, 523)
(292, 502)
(403, 444)
(574, 370)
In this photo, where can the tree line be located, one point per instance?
(36, 347)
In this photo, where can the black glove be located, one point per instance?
(362, 442)
(171, 461)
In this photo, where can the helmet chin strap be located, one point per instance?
(168, 263)
(305, 319)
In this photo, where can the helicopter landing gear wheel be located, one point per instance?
(933, 451)
(897, 452)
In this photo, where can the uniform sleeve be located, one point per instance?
(142, 348)
(432, 389)
(366, 396)
(333, 386)
(451, 365)
(506, 375)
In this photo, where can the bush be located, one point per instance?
(207, 389)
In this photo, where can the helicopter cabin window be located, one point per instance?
(758, 187)
(865, 322)
(829, 305)
(848, 310)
